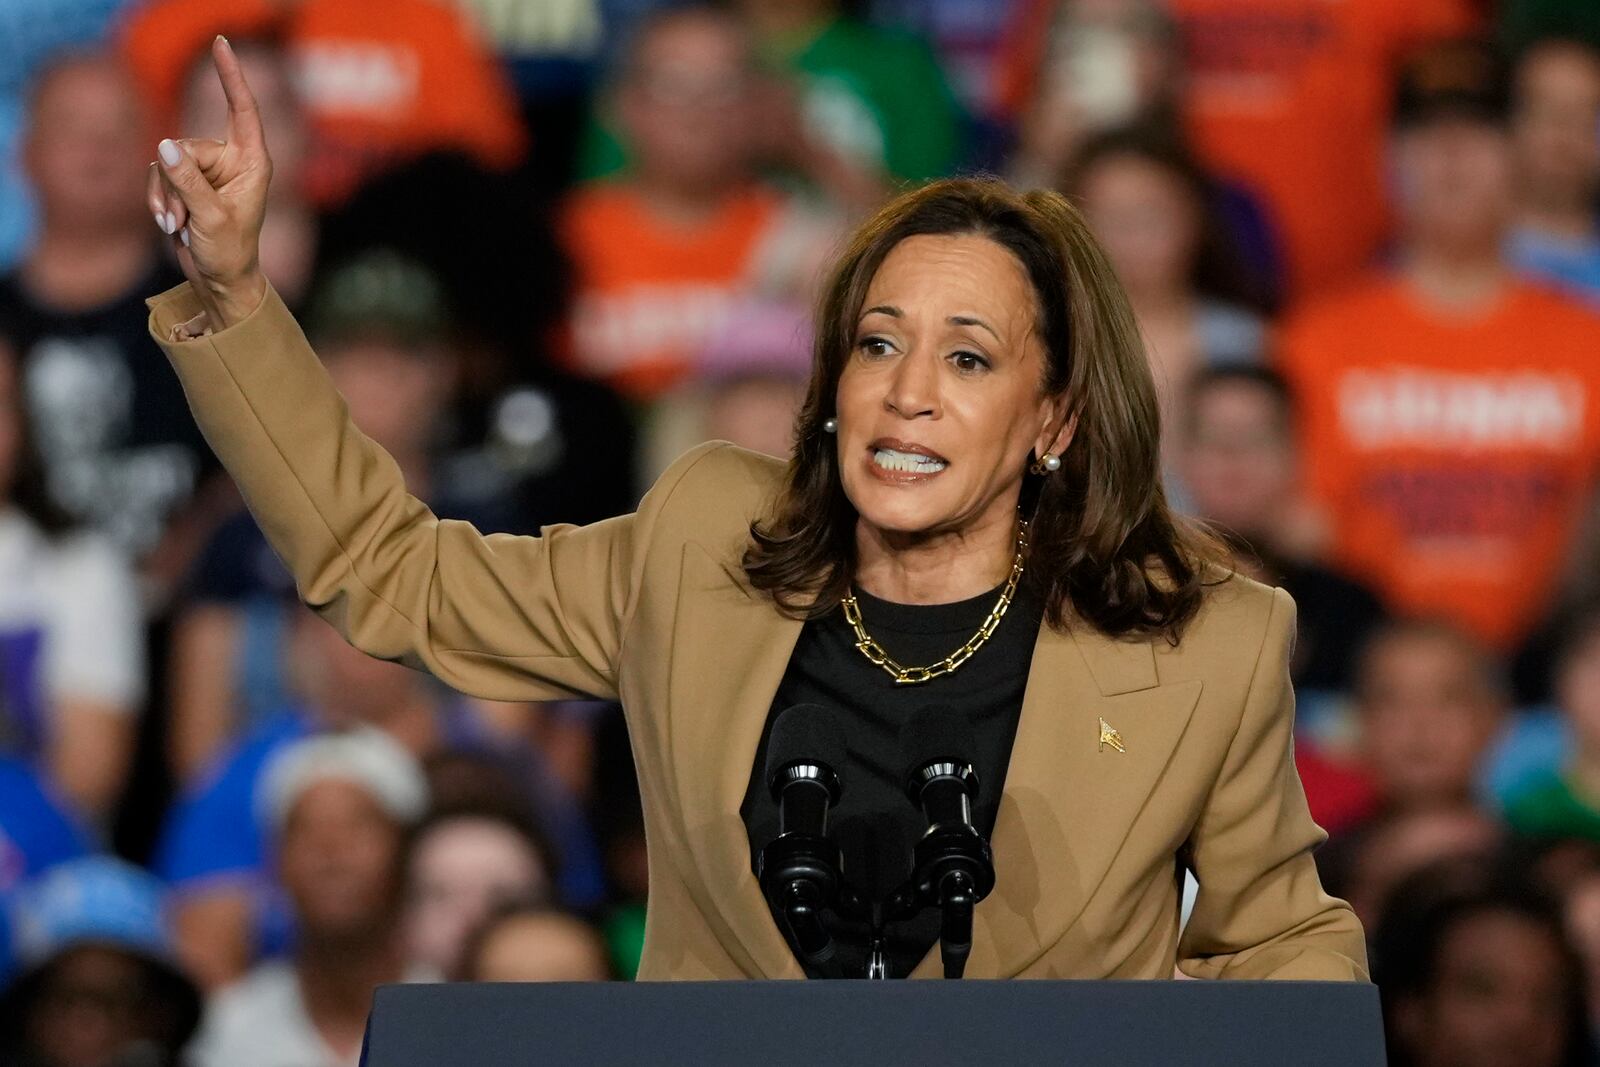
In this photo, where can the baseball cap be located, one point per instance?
(97, 901)
(378, 292)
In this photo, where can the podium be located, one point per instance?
(856, 1024)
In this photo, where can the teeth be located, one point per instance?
(890, 460)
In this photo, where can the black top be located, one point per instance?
(121, 452)
(874, 822)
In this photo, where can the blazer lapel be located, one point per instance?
(729, 653)
(1069, 801)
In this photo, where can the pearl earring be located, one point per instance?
(830, 425)
(1048, 463)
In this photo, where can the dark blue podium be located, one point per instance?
(846, 1024)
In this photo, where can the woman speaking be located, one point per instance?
(972, 521)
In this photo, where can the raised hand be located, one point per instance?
(210, 198)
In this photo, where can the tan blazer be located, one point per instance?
(652, 609)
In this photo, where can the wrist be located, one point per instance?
(231, 302)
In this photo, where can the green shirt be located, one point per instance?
(1551, 807)
(873, 95)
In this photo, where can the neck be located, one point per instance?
(680, 203)
(1457, 280)
(936, 568)
(337, 979)
(72, 270)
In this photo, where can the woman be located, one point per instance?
(965, 329)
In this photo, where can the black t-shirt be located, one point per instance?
(120, 450)
(874, 822)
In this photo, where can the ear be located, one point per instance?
(1057, 428)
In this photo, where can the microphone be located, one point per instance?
(799, 869)
(953, 865)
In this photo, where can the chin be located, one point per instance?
(900, 510)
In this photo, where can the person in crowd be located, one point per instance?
(664, 253)
(1430, 701)
(382, 81)
(533, 943)
(1450, 416)
(466, 861)
(339, 808)
(49, 28)
(290, 240)
(215, 850)
(1150, 206)
(1556, 132)
(875, 97)
(120, 451)
(1474, 967)
(1561, 803)
(1287, 99)
(1238, 461)
(71, 628)
(551, 443)
(98, 983)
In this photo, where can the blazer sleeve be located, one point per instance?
(1261, 911)
(497, 616)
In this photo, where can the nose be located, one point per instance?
(913, 389)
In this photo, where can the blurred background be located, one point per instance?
(543, 246)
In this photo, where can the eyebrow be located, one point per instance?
(958, 320)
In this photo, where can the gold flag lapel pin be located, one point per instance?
(1109, 736)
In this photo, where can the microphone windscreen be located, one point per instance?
(808, 732)
(936, 733)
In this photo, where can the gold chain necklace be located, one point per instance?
(904, 675)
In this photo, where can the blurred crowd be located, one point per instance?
(543, 246)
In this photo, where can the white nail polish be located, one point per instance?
(170, 152)
(184, 233)
(161, 221)
(171, 225)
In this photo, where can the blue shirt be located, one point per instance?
(35, 833)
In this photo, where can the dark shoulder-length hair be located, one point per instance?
(1105, 546)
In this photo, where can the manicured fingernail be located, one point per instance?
(171, 225)
(161, 220)
(170, 153)
(184, 234)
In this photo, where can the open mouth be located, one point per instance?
(899, 457)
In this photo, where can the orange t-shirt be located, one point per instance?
(381, 80)
(1293, 98)
(650, 295)
(1454, 456)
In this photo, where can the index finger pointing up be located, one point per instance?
(244, 120)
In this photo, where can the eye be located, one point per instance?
(969, 362)
(874, 347)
